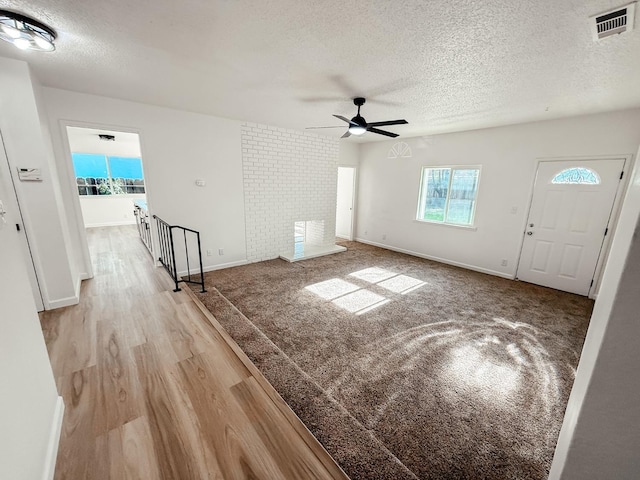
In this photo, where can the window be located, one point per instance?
(102, 175)
(448, 195)
(577, 176)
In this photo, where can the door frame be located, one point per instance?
(603, 256)
(354, 196)
(70, 180)
(32, 262)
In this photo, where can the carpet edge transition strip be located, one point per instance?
(306, 435)
(272, 391)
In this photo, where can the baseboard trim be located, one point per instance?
(63, 302)
(438, 259)
(109, 224)
(211, 268)
(54, 441)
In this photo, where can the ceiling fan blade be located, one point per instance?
(321, 99)
(315, 128)
(344, 119)
(346, 134)
(382, 132)
(388, 122)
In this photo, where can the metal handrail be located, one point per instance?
(168, 254)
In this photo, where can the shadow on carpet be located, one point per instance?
(405, 368)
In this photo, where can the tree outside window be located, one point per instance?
(448, 195)
(107, 175)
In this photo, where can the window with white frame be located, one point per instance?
(107, 175)
(448, 195)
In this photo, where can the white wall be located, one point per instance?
(27, 145)
(349, 154)
(389, 188)
(177, 148)
(600, 436)
(289, 176)
(86, 140)
(108, 210)
(30, 409)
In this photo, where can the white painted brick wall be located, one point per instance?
(289, 176)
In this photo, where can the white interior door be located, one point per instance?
(11, 220)
(345, 202)
(570, 211)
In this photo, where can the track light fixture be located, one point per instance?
(26, 33)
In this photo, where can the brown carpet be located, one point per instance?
(406, 368)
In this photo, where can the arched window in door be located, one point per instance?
(577, 176)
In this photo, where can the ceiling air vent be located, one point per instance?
(613, 22)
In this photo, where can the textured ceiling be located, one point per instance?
(445, 65)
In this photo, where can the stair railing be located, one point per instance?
(168, 253)
(142, 221)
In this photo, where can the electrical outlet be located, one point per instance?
(209, 253)
(504, 262)
(221, 251)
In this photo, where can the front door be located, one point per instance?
(570, 211)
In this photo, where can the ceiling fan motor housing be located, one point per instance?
(359, 120)
(358, 125)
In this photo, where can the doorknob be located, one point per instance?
(529, 233)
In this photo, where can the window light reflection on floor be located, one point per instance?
(402, 284)
(334, 288)
(356, 300)
(373, 274)
(360, 301)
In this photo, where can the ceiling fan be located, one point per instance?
(358, 125)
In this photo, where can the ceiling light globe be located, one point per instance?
(10, 31)
(22, 43)
(357, 130)
(25, 32)
(43, 44)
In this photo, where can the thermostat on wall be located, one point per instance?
(29, 174)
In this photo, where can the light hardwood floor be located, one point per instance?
(155, 388)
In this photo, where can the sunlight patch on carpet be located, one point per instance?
(373, 274)
(360, 302)
(334, 288)
(402, 284)
(473, 369)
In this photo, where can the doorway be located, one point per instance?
(108, 173)
(568, 220)
(345, 202)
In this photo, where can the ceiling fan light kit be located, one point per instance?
(26, 33)
(358, 125)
